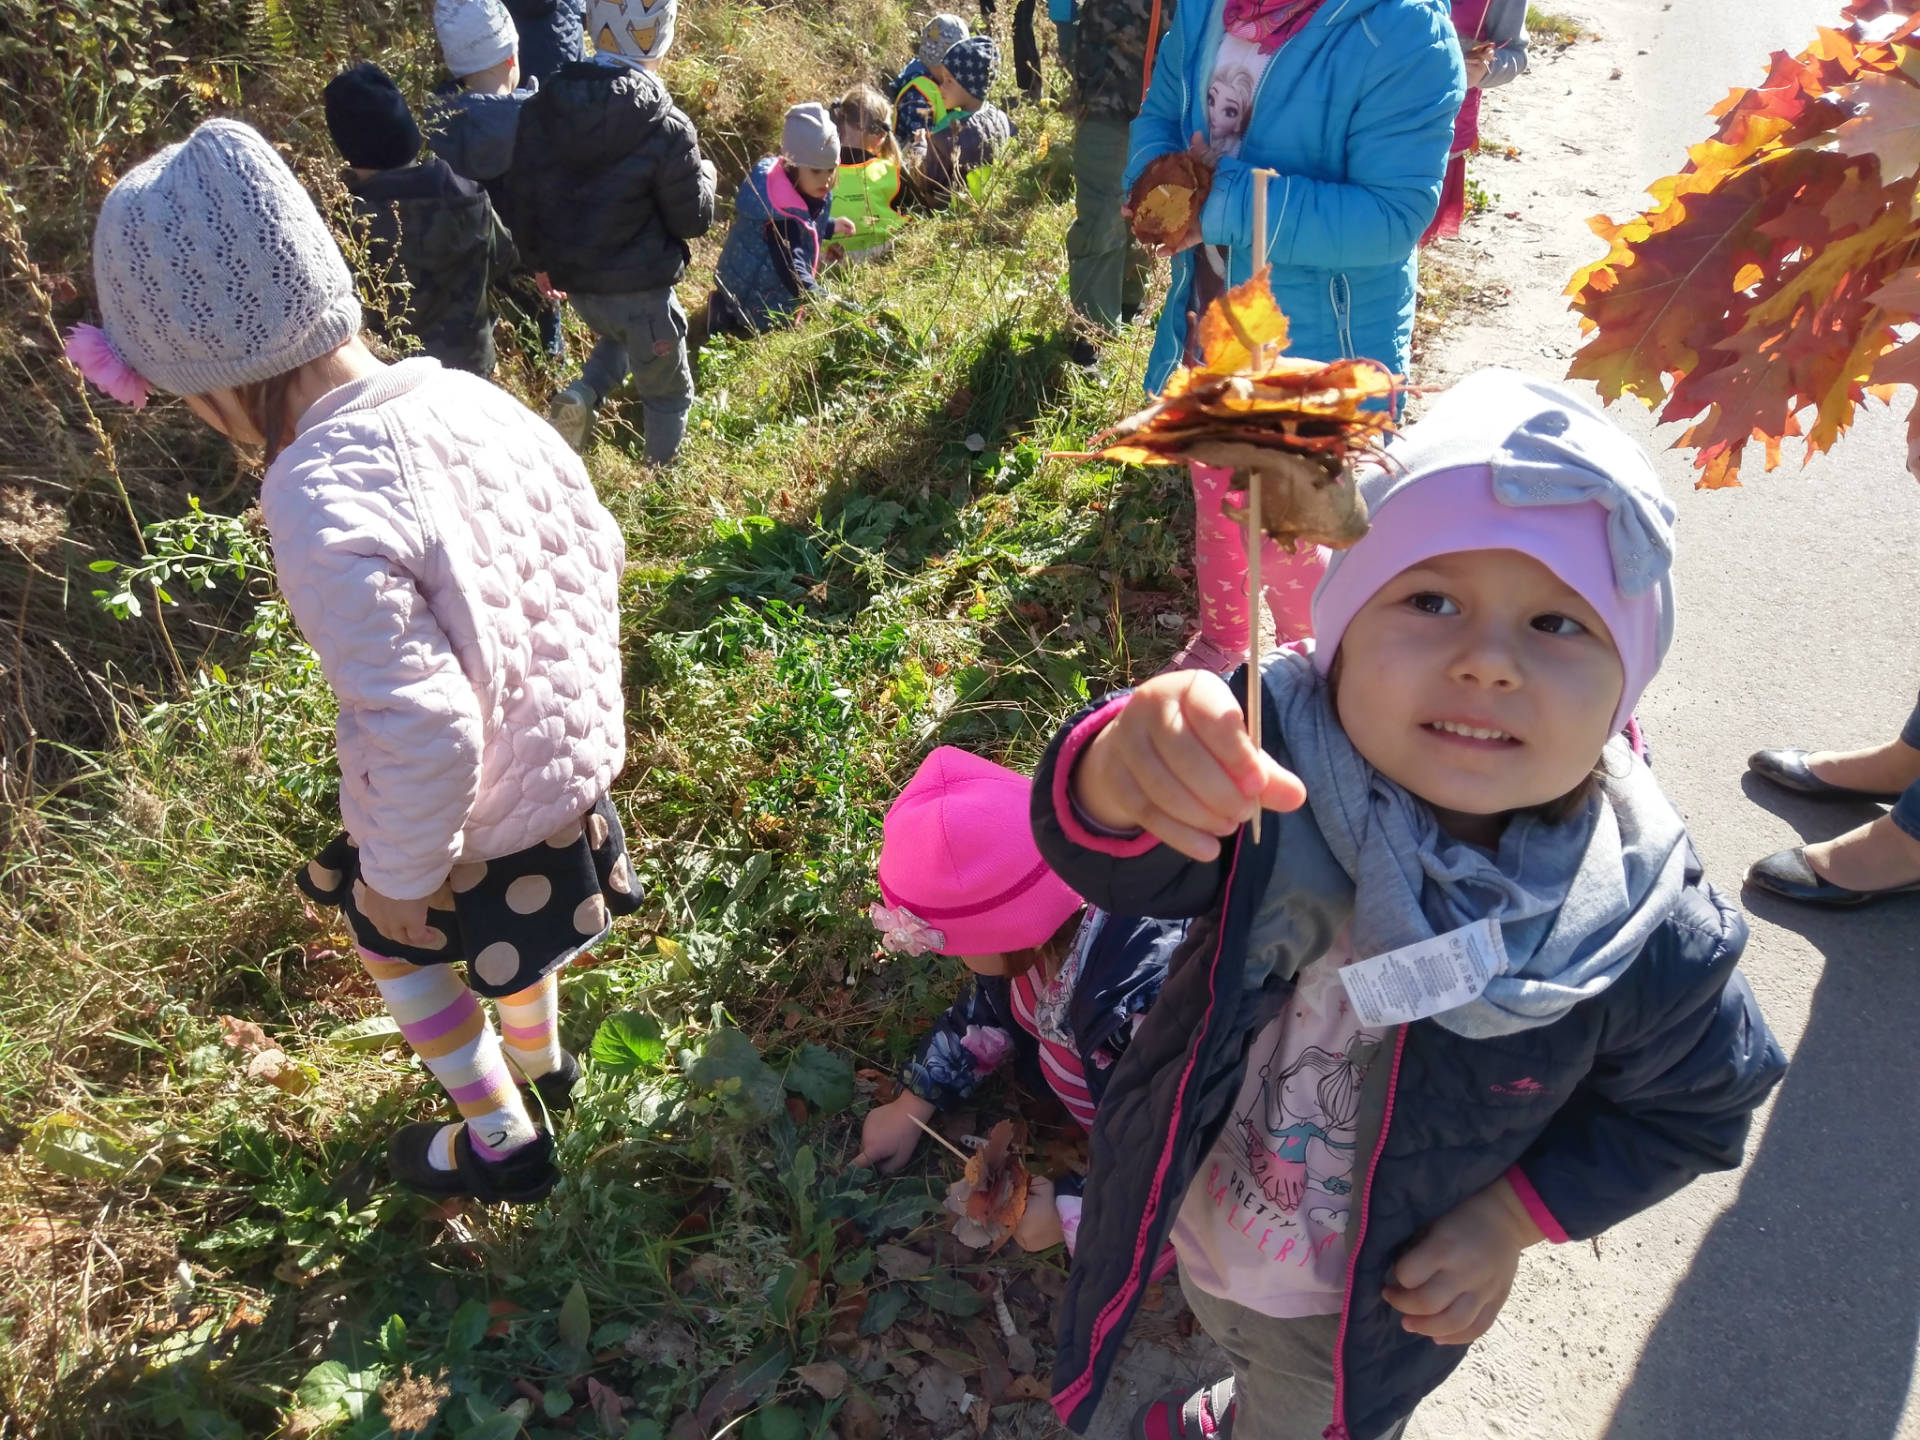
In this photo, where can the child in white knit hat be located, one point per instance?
(447, 558)
(610, 189)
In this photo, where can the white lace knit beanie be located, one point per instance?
(213, 268)
(475, 35)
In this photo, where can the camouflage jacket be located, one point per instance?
(1110, 55)
(438, 233)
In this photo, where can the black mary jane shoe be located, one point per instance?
(517, 1179)
(1789, 874)
(1788, 769)
(556, 1086)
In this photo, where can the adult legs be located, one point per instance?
(1106, 268)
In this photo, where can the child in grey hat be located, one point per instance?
(782, 224)
(447, 559)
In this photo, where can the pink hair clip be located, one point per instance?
(904, 933)
(93, 355)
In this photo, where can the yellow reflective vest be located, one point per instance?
(865, 193)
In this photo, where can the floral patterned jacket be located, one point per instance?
(1114, 972)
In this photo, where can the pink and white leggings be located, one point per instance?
(1220, 571)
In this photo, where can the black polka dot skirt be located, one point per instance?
(512, 920)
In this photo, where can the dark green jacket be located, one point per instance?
(1110, 55)
(437, 233)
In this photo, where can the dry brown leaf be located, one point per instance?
(243, 1035)
(828, 1380)
(1167, 196)
(938, 1394)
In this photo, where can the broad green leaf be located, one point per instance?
(376, 1032)
(393, 1339)
(574, 1323)
(743, 1384)
(884, 1306)
(951, 1295)
(788, 1293)
(627, 1042)
(822, 1076)
(467, 1329)
(556, 1401)
(730, 1065)
(331, 1389)
(503, 1426)
(644, 1430)
(64, 1143)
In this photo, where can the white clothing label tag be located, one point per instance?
(1426, 977)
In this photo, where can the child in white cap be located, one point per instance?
(1469, 991)
(607, 191)
(447, 558)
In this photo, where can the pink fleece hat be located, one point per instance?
(1505, 462)
(958, 856)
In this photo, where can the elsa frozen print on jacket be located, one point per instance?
(1315, 1099)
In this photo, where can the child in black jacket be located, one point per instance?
(427, 229)
(607, 187)
(1475, 995)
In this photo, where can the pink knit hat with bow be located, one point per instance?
(958, 867)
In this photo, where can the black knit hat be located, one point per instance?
(369, 120)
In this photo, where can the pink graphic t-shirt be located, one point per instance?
(1264, 1223)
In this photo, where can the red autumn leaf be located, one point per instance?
(1766, 281)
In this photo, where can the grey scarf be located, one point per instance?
(1575, 902)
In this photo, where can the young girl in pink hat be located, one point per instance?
(1056, 985)
(1469, 990)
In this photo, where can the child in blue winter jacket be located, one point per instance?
(782, 224)
(1352, 107)
(1467, 992)
(1057, 986)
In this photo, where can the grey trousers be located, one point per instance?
(644, 333)
(1282, 1369)
(1106, 269)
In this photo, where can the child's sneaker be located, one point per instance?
(1206, 1414)
(571, 413)
(517, 1179)
(1203, 652)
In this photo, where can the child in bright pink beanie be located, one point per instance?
(1056, 983)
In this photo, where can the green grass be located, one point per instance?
(1552, 28)
(864, 552)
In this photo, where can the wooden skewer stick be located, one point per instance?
(963, 1156)
(1256, 537)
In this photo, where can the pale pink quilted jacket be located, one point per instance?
(445, 554)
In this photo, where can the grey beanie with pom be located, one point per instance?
(213, 267)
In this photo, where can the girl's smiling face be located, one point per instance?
(1481, 682)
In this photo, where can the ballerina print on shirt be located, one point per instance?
(1299, 1130)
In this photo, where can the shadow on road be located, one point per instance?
(1799, 1314)
(1814, 819)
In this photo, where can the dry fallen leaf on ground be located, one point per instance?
(992, 1196)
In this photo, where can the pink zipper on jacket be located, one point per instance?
(1109, 1316)
(1338, 1429)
